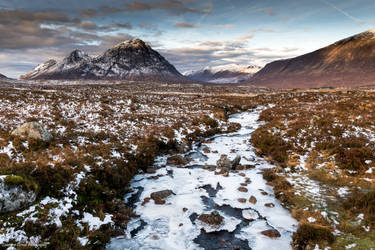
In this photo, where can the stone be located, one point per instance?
(145, 201)
(14, 196)
(269, 205)
(236, 161)
(240, 167)
(214, 218)
(177, 160)
(32, 130)
(150, 170)
(206, 150)
(155, 237)
(272, 233)
(182, 147)
(241, 200)
(253, 200)
(242, 189)
(160, 196)
(224, 162)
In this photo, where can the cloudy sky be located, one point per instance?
(191, 34)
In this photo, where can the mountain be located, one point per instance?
(348, 62)
(231, 73)
(2, 76)
(129, 60)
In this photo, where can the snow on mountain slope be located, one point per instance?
(129, 60)
(230, 73)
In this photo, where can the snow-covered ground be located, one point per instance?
(197, 191)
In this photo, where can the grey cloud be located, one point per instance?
(246, 37)
(88, 25)
(185, 25)
(224, 26)
(270, 12)
(23, 29)
(224, 45)
(11, 17)
(262, 30)
(88, 13)
(152, 27)
(218, 53)
(30, 35)
(173, 6)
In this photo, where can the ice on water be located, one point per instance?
(168, 226)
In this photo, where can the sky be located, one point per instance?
(191, 34)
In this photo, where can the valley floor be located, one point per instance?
(94, 181)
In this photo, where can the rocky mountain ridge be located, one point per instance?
(129, 60)
(349, 62)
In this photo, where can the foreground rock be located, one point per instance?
(214, 218)
(225, 163)
(177, 160)
(13, 195)
(32, 130)
(160, 196)
(272, 233)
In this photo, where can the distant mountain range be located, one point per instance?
(2, 76)
(349, 62)
(230, 73)
(129, 60)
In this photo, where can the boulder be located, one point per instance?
(160, 196)
(242, 189)
(272, 233)
(182, 147)
(214, 218)
(13, 194)
(241, 200)
(269, 205)
(253, 200)
(236, 161)
(32, 130)
(224, 162)
(177, 160)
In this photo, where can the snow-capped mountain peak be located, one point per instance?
(129, 60)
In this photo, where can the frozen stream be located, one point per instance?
(174, 225)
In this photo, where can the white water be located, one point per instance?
(163, 229)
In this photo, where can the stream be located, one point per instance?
(198, 190)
